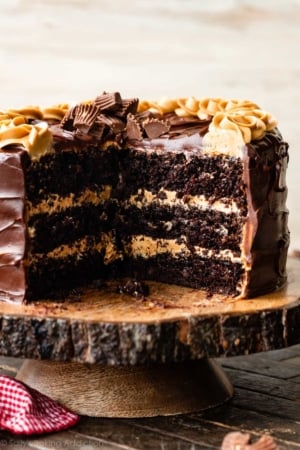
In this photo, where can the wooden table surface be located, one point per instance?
(266, 400)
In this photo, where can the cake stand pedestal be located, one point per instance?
(106, 354)
(136, 391)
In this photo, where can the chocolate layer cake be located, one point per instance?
(181, 191)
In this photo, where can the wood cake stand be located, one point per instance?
(105, 354)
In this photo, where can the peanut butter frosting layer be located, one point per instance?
(56, 203)
(166, 198)
(104, 243)
(111, 118)
(138, 246)
(147, 247)
(143, 198)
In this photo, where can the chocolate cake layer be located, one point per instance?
(217, 177)
(54, 277)
(69, 169)
(196, 272)
(205, 228)
(48, 231)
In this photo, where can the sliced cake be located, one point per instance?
(182, 191)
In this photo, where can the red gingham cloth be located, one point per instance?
(23, 410)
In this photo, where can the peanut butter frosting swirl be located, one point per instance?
(55, 112)
(36, 139)
(242, 116)
(29, 112)
(28, 127)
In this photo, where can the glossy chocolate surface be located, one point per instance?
(266, 169)
(12, 226)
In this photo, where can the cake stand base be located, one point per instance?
(130, 391)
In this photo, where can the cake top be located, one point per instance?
(225, 125)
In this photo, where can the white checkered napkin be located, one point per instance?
(23, 410)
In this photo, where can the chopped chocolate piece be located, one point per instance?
(128, 106)
(109, 102)
(105, 117)
(67, 120)
(155, 128)
(84, 116)
(115, 123)
(83, 135)
(98, 129)
(61, 134)
(133, 128)
(149, 115)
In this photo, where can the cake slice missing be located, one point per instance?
(182, 191)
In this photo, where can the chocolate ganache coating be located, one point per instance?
(12, 225)
(266, 173)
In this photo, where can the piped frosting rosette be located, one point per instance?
(36, 139)
(55, 112)
(237, 123)
(234, 122)
(245, 118)
(27, 127)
